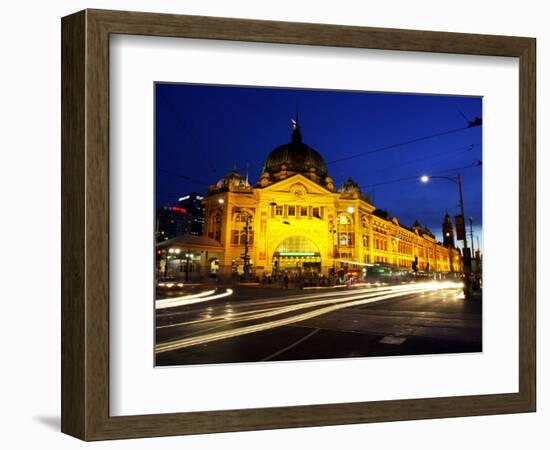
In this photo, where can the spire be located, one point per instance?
(296, 132)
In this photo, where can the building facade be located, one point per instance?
(295, 220)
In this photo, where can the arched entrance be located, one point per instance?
(297, 256)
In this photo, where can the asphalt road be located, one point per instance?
(255, 324)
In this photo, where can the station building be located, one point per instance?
(295, 220)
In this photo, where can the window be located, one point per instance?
(291, 210)
(235, 237)
(238, 232)
(238, 237)
(345, 231)
(215, 226)
(242, 216)
(278, 210)
(303, 211)
(250, 237)
(315, 213)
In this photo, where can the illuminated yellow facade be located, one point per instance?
(299, 222)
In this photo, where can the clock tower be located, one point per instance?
(448, 231)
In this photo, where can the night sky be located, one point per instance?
(203, 131)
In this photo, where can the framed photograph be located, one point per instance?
(272, 225)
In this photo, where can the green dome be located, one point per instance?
(296, 156)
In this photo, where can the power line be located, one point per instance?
(477, 163)
(185, 177)
(400, 144)
(416, 177)
(450, 153)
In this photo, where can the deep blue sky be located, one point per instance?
(203, 131)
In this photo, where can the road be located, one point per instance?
(249, 324)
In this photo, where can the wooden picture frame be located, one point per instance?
(85, 224)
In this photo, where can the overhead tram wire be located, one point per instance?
(451, 153)
(185, 177)
(417, 177)
(412, 177)
(400, 144)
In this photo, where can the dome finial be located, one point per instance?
(296, 133)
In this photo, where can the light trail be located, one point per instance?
(275, 311)
(270, 300)
(318, 295)
(191, 299)
(399, 291)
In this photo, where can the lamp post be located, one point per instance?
(246, 255)
(187, 256)
(333, 231)
(471, 220)
(465, 259)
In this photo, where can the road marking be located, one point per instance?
(299, 341)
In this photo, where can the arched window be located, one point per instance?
(345, 231)
(215, 225)
(297, 245)
(239, 231)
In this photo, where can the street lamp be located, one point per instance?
(334, 231)
(246, 257)
(247, 269)
(187, 256)
(466, 263)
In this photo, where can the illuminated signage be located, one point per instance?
(297, 254)
(177, 209)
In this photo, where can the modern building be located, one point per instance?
(172, 221)
(193, 204)
(295, 220)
